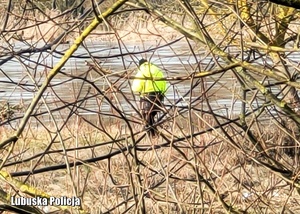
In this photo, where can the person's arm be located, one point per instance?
(138, 82)
(164, 87)
(161, 85)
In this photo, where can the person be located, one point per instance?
(151, 91)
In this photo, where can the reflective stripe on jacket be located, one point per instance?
(144, 86)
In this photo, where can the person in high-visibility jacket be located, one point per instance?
(151, 91)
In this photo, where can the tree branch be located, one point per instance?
(288, 3)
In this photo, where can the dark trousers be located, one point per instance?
(150, 105)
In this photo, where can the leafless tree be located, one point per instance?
(71, 126)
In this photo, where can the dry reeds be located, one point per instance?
(227, 136)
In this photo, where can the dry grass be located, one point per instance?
(196, 165)
(169, 179)
(47, 26)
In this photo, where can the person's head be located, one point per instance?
(142, 61)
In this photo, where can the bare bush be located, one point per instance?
(70, 124)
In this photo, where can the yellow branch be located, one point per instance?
(270, 48)
(200, 37)
(25, 188)
(58, 66)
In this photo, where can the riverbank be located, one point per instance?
(136, 27)
(105, 183)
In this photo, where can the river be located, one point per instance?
(16, 77)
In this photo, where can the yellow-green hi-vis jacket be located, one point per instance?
(145, 82)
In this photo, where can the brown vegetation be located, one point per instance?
(228, 135)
